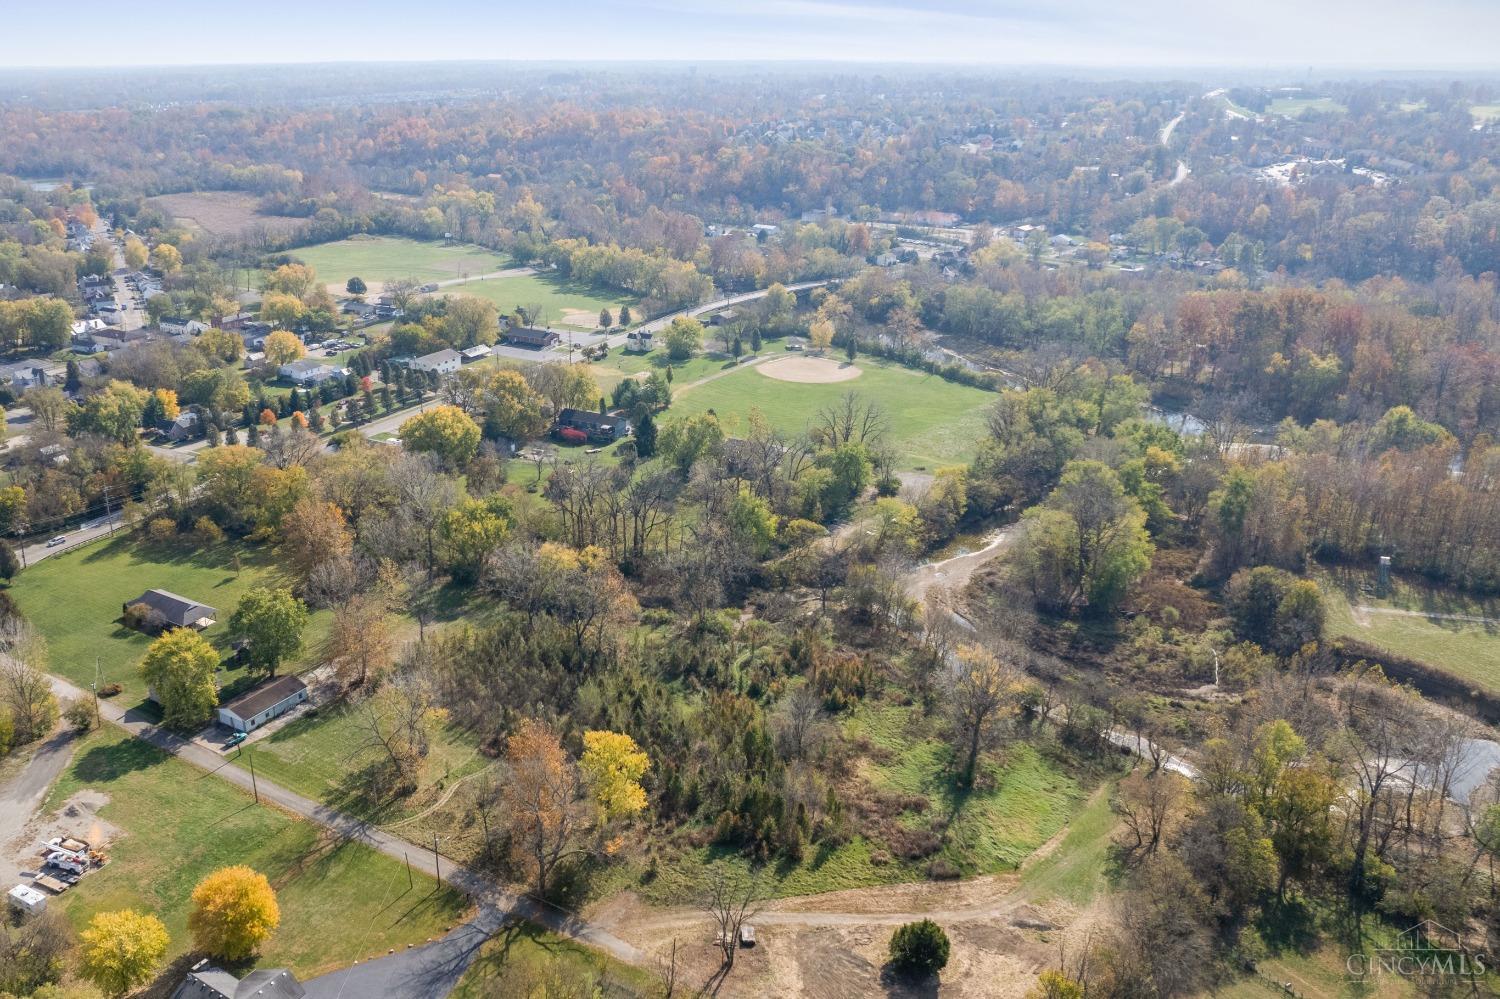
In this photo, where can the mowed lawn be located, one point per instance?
(340, 900)
(376, 259)
(76, 599)
(556, 300)
(932, 422)
(1408, 622)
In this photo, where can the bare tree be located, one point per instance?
(730, 905)
(1146, 803)
(980, 692)
(800, 722)
(850, 420)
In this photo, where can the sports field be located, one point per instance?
(1442, 628)
(1296, 107)
(376, 259)
(932, 422)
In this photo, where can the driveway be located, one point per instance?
(427, 972)
(21, 795)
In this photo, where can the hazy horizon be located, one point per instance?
(1374, 36)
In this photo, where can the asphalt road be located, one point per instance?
(427, 972)
(35, 552)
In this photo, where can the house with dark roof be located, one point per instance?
(208, 982)
(172, 610)
(531, 337)
(185, 427)
(598, 426)
(256, 706)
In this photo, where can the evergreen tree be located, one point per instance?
(645, 437)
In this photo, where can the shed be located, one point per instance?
(259, 705)
(24, 898)
(478, 352)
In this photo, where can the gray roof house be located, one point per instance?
(444, 362)
(310, 372)
(598, 426)
(177, 611)
(182, 428)
(256, 706)
(208, 982)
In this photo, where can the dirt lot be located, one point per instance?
(221, 213)
(809, 370)
(77, 818)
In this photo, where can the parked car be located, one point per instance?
(234, 740)
(59, 540)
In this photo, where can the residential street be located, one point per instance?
(427, 972)
(476, 886)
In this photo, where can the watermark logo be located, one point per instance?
(1427, 950)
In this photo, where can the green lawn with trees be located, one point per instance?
(75, 601)
(556, 300)
(177, 824)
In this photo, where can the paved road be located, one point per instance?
(19, 797)
(427, 972)
(94, 529)
(1166, 139)
(476, 886)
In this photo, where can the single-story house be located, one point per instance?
(724, 316)
(113, 339)
(309, 372)
(176, 325)
(530, 336)
(175, 611)
(208, 982)
(478, 352)
(598, 426)
(183, 428)
(887, 259)
(256, 706)
(383, 311)
(358, 309)
(23, 375)
(443, 362)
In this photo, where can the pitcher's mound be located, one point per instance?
(815, 370)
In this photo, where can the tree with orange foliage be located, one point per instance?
(542, 798)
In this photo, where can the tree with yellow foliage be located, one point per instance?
(821, 334)
(280, 309)
(136, 254)
(120, 951)
(234, 912)
(613, 766)
(444, 431)
(982, 691)
(284, 348)
(166, 258)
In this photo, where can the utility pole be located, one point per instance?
(95, 687)
(410, 883)
(254, 787)
(437, 864)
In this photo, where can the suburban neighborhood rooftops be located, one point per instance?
(267, 695)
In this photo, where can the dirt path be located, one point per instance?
(955, 572)
(22, 794)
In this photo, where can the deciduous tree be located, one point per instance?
(120, 951)
(179, 667)
(234, 912)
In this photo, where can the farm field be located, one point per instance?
(560, 303)
(932, 422)
(176, 824)
(222, 213)
(383, 258)
(1408, 623)
(1295, 107)
(75, 601)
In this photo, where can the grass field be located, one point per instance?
(524, 960)
(1485, 113)
(1075, 871)
(384, 258)
(560, 303)
(1465, 648)
(340, 901)
(932, 422)
(75, 600)
(1296, 107)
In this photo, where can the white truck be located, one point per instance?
(65, 861)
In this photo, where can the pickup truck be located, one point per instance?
(64, 861)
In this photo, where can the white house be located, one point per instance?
(177, 325)
(309, 372)
(444, 362)
(256, 706)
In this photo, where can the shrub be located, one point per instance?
(919, 948)
(570, 435)
(207, 531)
(80, 714)
(161, 530)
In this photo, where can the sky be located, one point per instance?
(1440, 35)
